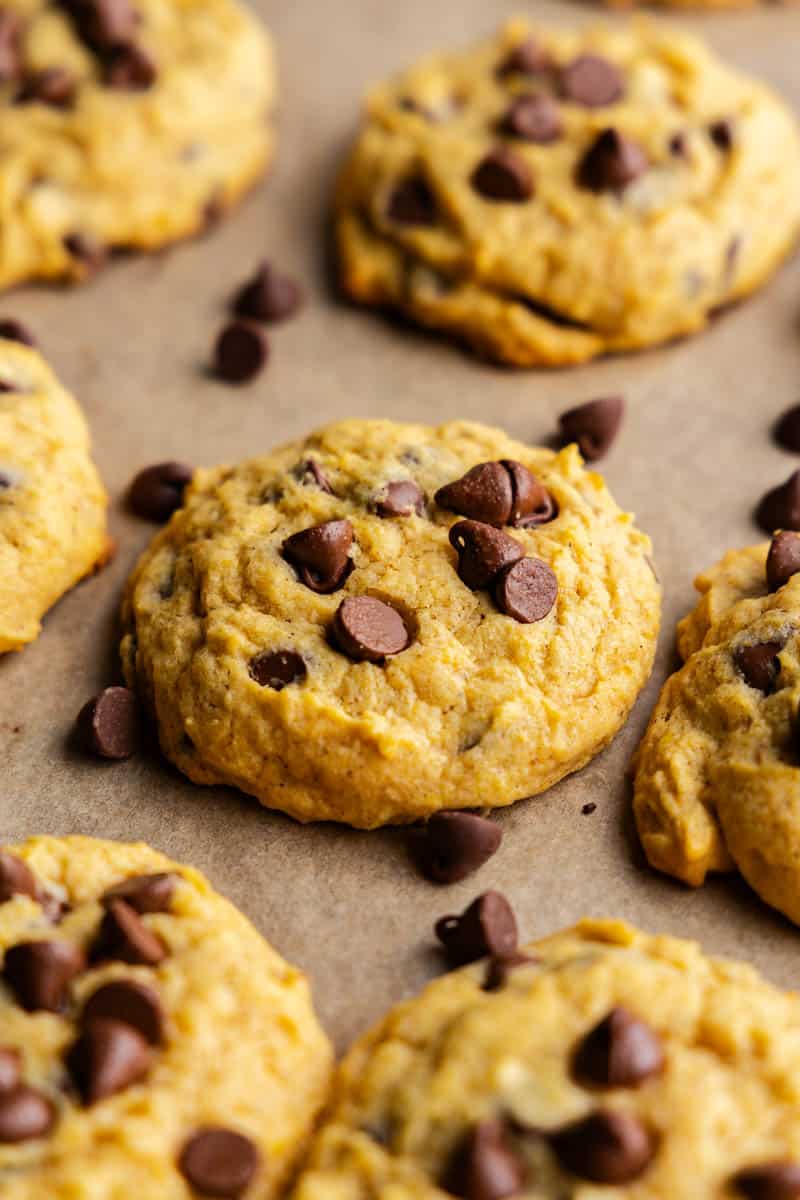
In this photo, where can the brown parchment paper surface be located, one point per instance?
(692, 458)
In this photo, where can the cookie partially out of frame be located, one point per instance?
(553, 195)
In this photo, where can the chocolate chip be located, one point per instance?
(412, 203)
(25, 1114)
(504, 176)
(240, 352)
(108, 724)
(534, 118)
(10, 35)
(219, 1162)
(722, 134)
(678, 145)
(15, 331)
(780, 508)
(771, 1181)
(130, 68)
(145, 893)
(528, 58)
(589, 808)
(368, 630)
(593, 425)
(320, 555)
(605, 1147)
(312, 472)
(483, 1166)
(16, 878)
(131, 1002)
(483, 552)
(621, 1051)
(455, 844)
(526, 591)
(591, 81)
(268, 296)
(103, 24)
(87, 250)
(759, 665)
(783, 559)
(107, 1057)
(124, 937)
(611, 163)
(157, 491)
(39, 973)
(484, 494)
(55, 86)
(487, 927)
(500, 967)
(787, 430)
(400, 498)
(531, 503)
(10, 1068)
(277, 669)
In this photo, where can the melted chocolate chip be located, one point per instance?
(487, 927)
(124, 937)
(780, 508)
(240, 352)
(39, 973)
(369, 630)
(483, 552)
(312, 472)
(108, 724)
(483, 1166)
(723, 134)
(621, 1051)
(157, 491)
(219, 1162)
(591, 81)
(413, 203)
(400, 498)
(107, 1057)
(145, 893)
(131, 1002)
(268, 296)
(277, 669)
(759, 665)
(534, 118)
(611, 163)
(605, 1147)
(593, 425)
(503, 176)
(526, 591)
(25, 1114)
(321, 555)
(455, 844)
(783, 559)
(770, 1181)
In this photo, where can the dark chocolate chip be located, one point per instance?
(611, 163)
(589, 808)
(124, 937)
(534, 118)
(500, 966)
(55, 86)
(531, 503)
(485, 494)
(268, 296)
(412, 203)
(526, 591)
(25, 1114)
(723, 134)
(787, 430)
(771, 1181)
(605, 1147)
(312, 472)
(483, 552)
(321, 555)
(10, 36)
(400, 498)
(783, 559)
(16, 878)
(157, 491)
(503, 175)
(528, 58)
(86, 250)
(455, 844)
(483, 1166)
(678, 145)
(593, 425)
(39, 973)
(621, 1051)
(759, 665)
(219, 1162)
(107, 1057)
(10, 1068)
(368, 630)
(240, 352)
(108, 724)
(487, 927)
(130, 68)
(780, 508)
(15, 331)
(103, 24)
(145, 893)
(131, 1002)
(591, 81)
(277, 669)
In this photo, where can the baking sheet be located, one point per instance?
(693, 457)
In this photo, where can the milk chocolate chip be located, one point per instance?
(487, 927)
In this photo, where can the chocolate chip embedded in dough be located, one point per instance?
(39, 973)
(54, 86)
(592, 81)
(485, 493)
(400, 498)
(759, 664)
(130, 68)
(723, 134)
(611, 163)
(145, 893)
(620, 1051)
(526, 591)
(483, 552)
(605, 1147)
(769, 1181)
(783, 559)
(412, 203)
(528, 58)
(484, 1166)
(534, 118)
(25, 1114)
(107, 1057)
(10, 47)
(10, 1068)
(276, 669)
(503, 176)
(219, 1162)
(321, 555)
(369, 630)
(124, 937)
(129, 1001)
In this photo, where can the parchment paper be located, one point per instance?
(693, 457)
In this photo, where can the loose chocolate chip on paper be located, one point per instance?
(400, 498)
(219, 1162)
(592, 81)
(240, 352)
(157, 491)
(534, 118)
(455, 844)
(500, 966)
(86, 250)
(107, 1057)
(268, 295)
(15, 331)
(723, 134)
(130, 68)
(759, 665)
(504, 176)
(528, 58)
(770, 1181)
(145, 893)
(10, 1068)
(487, 927)
(483, 552)
(526, 591)
(39, 973)
(787, 430)
(276, 669)
(320, 555)
(108, 724)
(593, 425)
(620, 1051)
(124, 937)
(25, 1114)
(605, 1147)
(412, 203)
(55, 86)
(780, 508)
(611, 163)
(484, 1166)
(589, 808)
(369, 630)
(129, 1001)
(783, 559)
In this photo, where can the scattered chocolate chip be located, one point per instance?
(528, 58)
(771, 1181)
(605, 1147)
(455, 844)
(130, 68)
(591, 81)
(504, 176)
(483, 552)
(500, 967)
(16, 878)
(39, 973)
(783, 559)
(483, 1166)
(484, 494)
(108, 724)
(593, 425)
(787, 430)
(621, 1051)
(15, 331)
(25, 1114)
(722, 134)
(589, 808)
(219, 1162)
(107, 1057)
(611, 163)
(277, 669)
(240, 352)
(124, 937)
(400, 498)
(321, 555)
(10, 1068)
(531, 503)
(526, 591)
(780, 508)
(55, 86)
(312, 472)
(678, 145)
(268, 296)
(534, 118)
(487, 927)
(128, 1001)
(145, 893)
(157, 491)
(87, 250)
(412, 203)
(10, 35)
(759, 665)
(368, 630)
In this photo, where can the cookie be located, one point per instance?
(550, 196)
(124, 124)
(152, 1044)
(52, 503)
(385, 620)
(717, 772)
(607, 1062)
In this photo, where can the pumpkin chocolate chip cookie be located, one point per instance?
(52, 503)
(124, 123)
(718, 770)
(551, 195)
(386, 620)
(151, 1043)
(601, 1062)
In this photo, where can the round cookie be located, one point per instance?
(717, 772)
(152, 1044)
(612, 1063)
(124, 124)
(52, 503)
(314, 628)
(550, 196)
